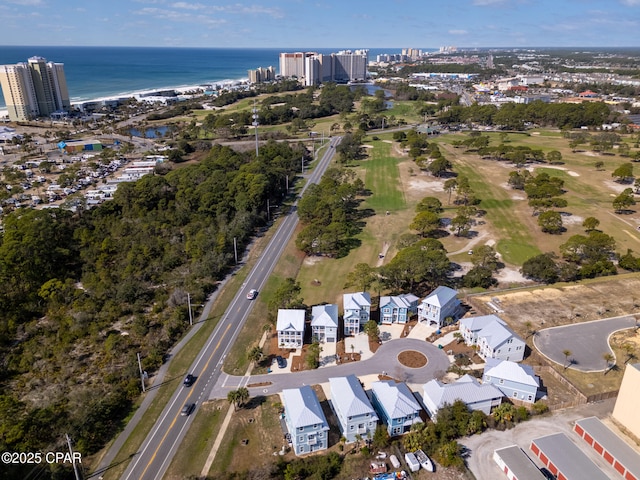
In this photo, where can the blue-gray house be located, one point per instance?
(398, 309)
(353, 408)
(305, 420)
(515, 381)
(397, 408)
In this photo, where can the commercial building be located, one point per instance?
(625, 411)
(33, 89)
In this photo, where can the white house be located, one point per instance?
(290, 328)
(493, 337)
(352, 407)
(324, 323)
(441, 304)
(476, 396)
(398, 309)
(357, 311)
(514, 380)
(305, 420)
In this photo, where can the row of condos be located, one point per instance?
(33, 89)
(314, 68)
(394, 405)
(439, 308)
(357, 413)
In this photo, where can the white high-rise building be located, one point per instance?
(32, 89)
(313, 68)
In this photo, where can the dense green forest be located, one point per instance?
(83, 293)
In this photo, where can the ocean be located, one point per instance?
(98, 72)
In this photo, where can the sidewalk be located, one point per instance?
(156, 381)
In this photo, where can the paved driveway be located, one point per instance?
(587, 342)
(384, 360)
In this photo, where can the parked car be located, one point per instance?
(187, 409)
(188, 380)
(282, 363)
(253, 293)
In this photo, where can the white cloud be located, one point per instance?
(176, 16)
(631, 3)
(484, 3)
(188, 6)
(26, 3)
(458, 32)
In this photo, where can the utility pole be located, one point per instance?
(73, 458)
(141, 373)
(255, 124)
(302, 163)
(268, 216)
(235, 249)
(190, 314)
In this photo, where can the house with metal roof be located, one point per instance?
(305, 420)
(353, 408)
(476, 396)
(396, 406)
(290, 328)
(515, 381)
(494, 338)
(438, 306)
(398, 308)
(357, 311)
(324, 323)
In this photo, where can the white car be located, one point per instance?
(253, 293)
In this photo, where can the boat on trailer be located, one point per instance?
(425, 462)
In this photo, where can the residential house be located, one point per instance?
(493, 338)
(476, 396)
(396, 406)
(290, 328)
(440, 305)
(357, 311)
(324, 323)
(305, 420)
(515, 381)
(398, 309)
(353, 408)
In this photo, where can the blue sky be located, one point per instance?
(321, 23)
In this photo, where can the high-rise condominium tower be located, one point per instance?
(32, 89)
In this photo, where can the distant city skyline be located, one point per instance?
(288, 24)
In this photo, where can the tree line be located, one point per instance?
(84, 292)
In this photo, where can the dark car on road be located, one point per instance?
(187, 409)
(188, 380)
(282, 363)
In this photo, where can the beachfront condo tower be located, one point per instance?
(34, 89)
(312, 68)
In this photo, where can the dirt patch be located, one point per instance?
(344, 356)
(412, 359)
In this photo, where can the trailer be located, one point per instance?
(412, 461)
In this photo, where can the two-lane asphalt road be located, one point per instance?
(160, 446)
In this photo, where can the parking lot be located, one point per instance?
(588, 342)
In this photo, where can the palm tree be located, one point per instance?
(243, 395)
(608, 358)
(567, 354)
(255, 354)
(629, 349)
(232, 398)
